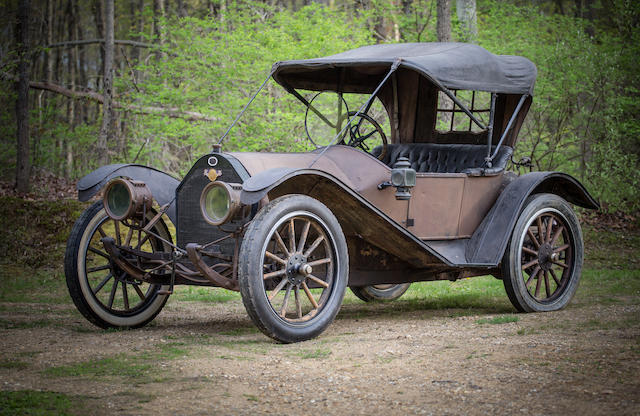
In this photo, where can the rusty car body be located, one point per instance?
(291, 231)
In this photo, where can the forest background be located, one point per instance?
(177, 73)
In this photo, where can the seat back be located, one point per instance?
(444, 158)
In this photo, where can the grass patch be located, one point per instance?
(606, 249)
(608, 284)
(496, 320)
(471, 296)
(30, 402)
(13, 364)
(141, 367)
(121, 365)
(314, 354)
(19, 283)
(204, 294)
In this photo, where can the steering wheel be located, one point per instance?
(361, 137)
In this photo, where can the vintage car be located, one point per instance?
(412, 186)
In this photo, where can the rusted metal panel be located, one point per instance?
(435, 205)
(480, 193)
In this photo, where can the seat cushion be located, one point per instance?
(445, 158)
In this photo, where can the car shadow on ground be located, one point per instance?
(429, 308)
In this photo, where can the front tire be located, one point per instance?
(380, 293)
(104, 294)
(293, 268)
(542, 265)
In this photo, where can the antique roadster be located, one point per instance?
(412, 186)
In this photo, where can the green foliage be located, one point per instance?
(213, 66)
(585, 115)
(584, 120)
(35, 232)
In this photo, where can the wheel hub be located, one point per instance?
(546, 256)
(297, 269)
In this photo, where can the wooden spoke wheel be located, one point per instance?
(380, 293)
(543, 263)
(293, 268)
(106, 295)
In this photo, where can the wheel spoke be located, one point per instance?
(275, 258)
(553, 274)
(98, 252)
(533, 238)
(529, 264)
(274, 274)
(309, 295)
(529, 251)
(547, 235)
(546, 284)
(303, 236)
(532, 275)
(127, 240)
(561, 248)
(280, 243)
(557, 234)
(112, 295)
(292, 236)
(318, 281)
(296, 293)
(97, 268)
(139, 292)
(537, 292)
(540, 228)
(285, 302)
(313, 246)
(125, 295)
(101, 231)
(278, 289)
(102, 283)
(561, 264)
(116, 225)
(319, 262)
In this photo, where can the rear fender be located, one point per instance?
(489, 241)
(162, 185)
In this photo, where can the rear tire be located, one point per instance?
(380, 293)
(293, 247)
(542, 265)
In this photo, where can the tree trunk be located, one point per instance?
(67, 154)
(105, 129)
(443, 26)
(23, 165)
(96, 7)
(466, 10)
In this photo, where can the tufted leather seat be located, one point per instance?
(446, 158)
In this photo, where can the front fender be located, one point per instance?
(162, 185)
(489, 241)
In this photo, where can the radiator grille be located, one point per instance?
(191, 226)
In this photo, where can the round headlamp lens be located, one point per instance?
(217, 204)
(118, 199)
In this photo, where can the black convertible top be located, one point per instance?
(457, 66)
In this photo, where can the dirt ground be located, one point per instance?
(208, 359)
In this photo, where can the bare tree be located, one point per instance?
(443, 26)
(23, 165)
(466, 11)
(105, 128)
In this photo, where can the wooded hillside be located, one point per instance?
(83, 83)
